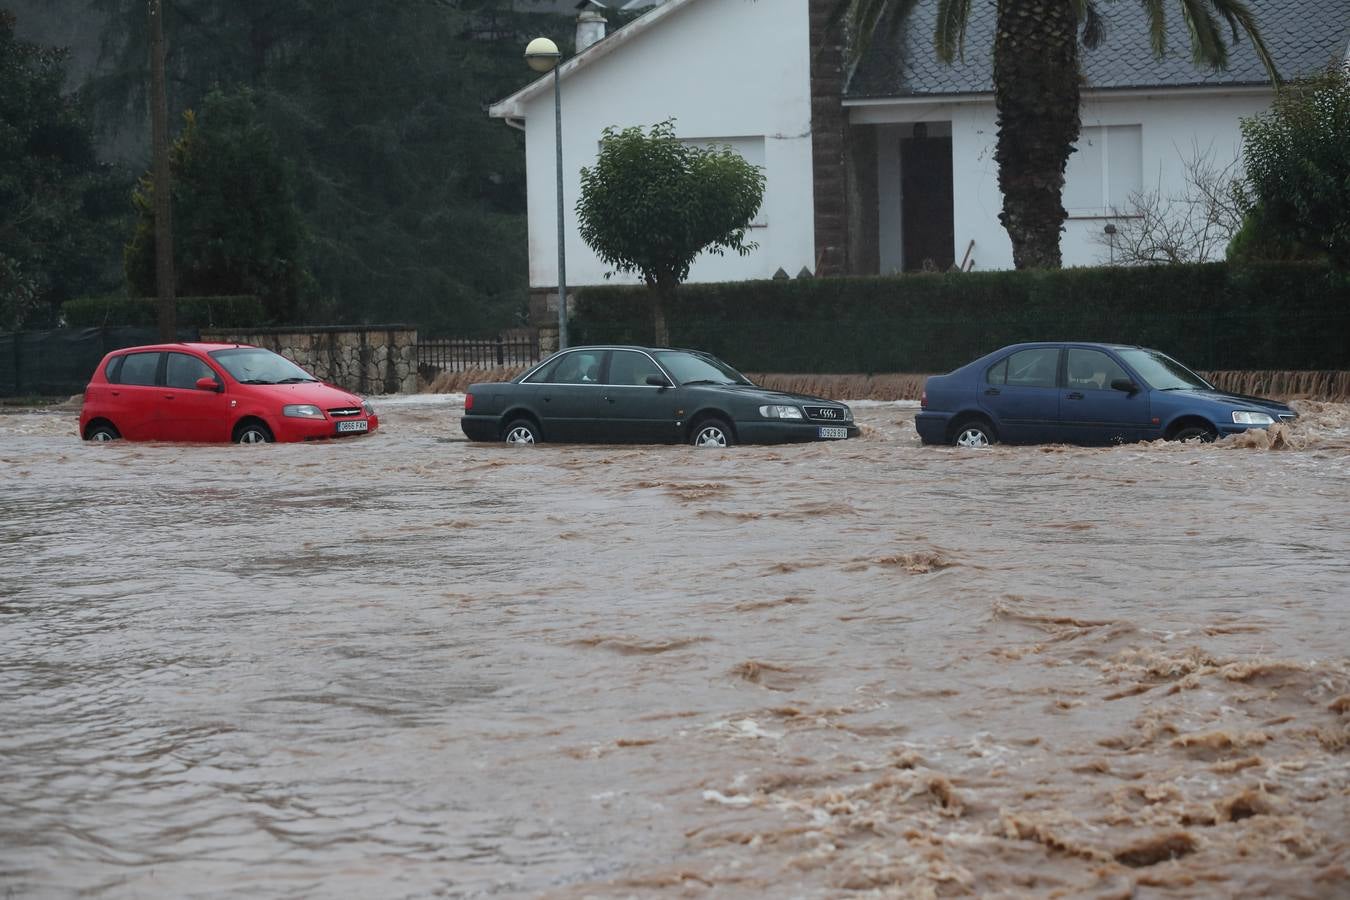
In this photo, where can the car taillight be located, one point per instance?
(468, 402)
(923, 400)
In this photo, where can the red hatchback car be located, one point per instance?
(215, 392)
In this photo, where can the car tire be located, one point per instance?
(522, 431)
(1203, 433)
(974, 433)
(712, 433)
(102, 432)
(253, 433)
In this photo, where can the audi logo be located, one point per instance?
(829, 413)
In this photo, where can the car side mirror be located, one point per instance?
(1124, 384)
(208, 384)
(658, 381)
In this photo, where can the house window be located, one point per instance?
(751, 149)
(1105, 171)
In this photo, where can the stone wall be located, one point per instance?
(370, 359)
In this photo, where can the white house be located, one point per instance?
(890, 166)
(728, 72)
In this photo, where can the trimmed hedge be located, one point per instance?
(192, 312)
(1211, 316)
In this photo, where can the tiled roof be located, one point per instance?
(1302, 36)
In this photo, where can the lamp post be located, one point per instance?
(542, 55)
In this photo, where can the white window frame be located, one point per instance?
(1099, 137)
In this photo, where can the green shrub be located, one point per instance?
(192, 312)
(1210, 316)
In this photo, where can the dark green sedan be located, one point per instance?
(645, 395)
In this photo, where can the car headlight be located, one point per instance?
(370, 410)
(1242, 417)
(780, 412)
(301, 411)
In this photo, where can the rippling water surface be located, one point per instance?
(406, 665)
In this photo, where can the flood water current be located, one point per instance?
(405, 665)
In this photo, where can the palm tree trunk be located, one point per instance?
(1036, 93)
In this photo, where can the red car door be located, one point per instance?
(133, 395)
(187, 412)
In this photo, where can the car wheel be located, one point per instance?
(102, 432)
(1202, 433)
(712, 433)
(522, 431)
(973, 433)
(253, 433)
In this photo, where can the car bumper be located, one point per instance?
(758, 432)
(480, 428)
(932, 427)
(288, 430)
(1228, 430)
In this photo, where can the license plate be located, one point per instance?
(833, 433)
(357, 425)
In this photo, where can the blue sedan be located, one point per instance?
(1083, 394)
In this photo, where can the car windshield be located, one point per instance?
(1163, 373)
(696, 368)
(253, 365)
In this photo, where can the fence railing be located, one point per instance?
(460, 354)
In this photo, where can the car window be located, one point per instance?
(254, 365)
(1163, 372)
(699, 368)
(579, 367)
(998, 374)
(138, 368)
(544, 374)
(1092, 370)
(1037, 367)
(183, 371)
(631, 367)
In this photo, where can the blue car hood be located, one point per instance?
(1230, 399)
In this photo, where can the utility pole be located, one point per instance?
(159, 116)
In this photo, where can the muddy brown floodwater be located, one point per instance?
(408, 666)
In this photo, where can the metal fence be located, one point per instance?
(460, 354)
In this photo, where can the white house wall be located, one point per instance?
(1173, 129)
(723, 69)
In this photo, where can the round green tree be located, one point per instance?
(652, 203)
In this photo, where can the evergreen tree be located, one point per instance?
(61, 211)
(1298, 173)
(236, 226)
(414, 198)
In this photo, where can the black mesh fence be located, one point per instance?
(59, 362)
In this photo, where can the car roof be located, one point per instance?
(1094, 344)
(631, 347)
(179, 345)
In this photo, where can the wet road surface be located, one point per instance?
(404, 665)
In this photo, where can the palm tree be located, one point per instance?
(1037, 82)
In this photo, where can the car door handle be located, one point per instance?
(547, 398)
(609, 398)
(1074, 396)
(992, 392)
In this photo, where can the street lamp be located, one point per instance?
(542, 55)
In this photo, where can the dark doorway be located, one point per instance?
(929, 237)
